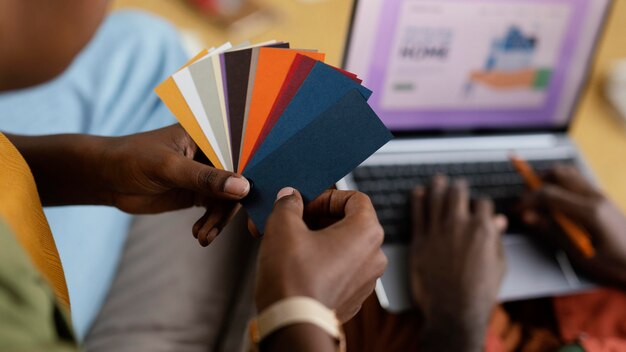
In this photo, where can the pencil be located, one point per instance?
(576, 234)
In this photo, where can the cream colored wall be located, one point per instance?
(323, 24)
(598, 130)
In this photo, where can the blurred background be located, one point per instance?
(599, 128)
(320, 24)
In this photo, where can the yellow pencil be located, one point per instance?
(577, 235)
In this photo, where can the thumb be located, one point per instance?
(288, 210)
(289, 202)
(188, 174)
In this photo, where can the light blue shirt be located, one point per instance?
(108, 90)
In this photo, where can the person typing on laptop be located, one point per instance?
(463, 85)
(457, 266)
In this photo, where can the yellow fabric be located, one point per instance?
(21, 208)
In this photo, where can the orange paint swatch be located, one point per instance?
(174, 100)
(272, 68)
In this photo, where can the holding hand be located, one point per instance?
(566, 190)
(456, 265)
(337, 265)
(143, 173)
(157, 171)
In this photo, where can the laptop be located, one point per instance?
(463, 84)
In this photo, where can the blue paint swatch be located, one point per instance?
(323, 88)
(312, 156)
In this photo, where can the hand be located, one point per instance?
(149, 172)
(567, 191)
(456, 264)
(337, 265)
(157, 171)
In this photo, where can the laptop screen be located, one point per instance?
(474, 64)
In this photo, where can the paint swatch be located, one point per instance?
(280, 117)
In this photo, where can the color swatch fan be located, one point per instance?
(279, 116)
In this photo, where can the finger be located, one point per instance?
(554, 198)
(484, 208)
(548, 230)
(358, 233)
(560, 199)
(198, 225)
(537, 221)
(330, 206)
(500, 222)
(358, 203)
(206, 233)
(182, 172)
(458, 200)
(218, 217)
(570, 178)
(288, 209)
(360, 228)
(435, 198)
(418, 216)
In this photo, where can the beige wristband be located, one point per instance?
(295, 310)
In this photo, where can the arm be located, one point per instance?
(65, 167)
(456, 265)
(149, 172)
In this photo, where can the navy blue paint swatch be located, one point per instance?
(317, 156)
(320, 90)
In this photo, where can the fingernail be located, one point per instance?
(237, 186)
(287, 191)
(212, 234)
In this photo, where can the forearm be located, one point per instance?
(299, 337)
(66, 167)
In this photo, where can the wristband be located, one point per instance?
(296, 310)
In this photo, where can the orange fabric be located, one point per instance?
(503, 335)
(21, 208)
(272, 68)
(174, 100)
(597, 319)
(610, 344)
(494, 342)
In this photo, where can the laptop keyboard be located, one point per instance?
(389, 188)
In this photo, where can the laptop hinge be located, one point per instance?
(443, 144)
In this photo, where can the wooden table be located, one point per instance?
(323, 25)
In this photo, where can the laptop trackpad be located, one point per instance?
(535, 271)
(532, 271)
